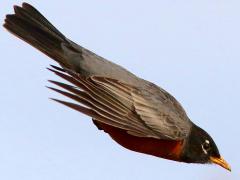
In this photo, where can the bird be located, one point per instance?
(135, 113)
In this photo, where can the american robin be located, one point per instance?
(137, 114)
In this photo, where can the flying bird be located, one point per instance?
(136, 113)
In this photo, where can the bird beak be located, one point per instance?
(221, 162)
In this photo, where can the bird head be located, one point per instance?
(200, 148)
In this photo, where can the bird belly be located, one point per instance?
(168, 149)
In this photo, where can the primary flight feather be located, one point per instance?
(136, 113)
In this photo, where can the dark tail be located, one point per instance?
(31, 26)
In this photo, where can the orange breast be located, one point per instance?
(160, 148)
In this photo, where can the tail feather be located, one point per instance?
(41, 19)
(31, 26)
(28, 24)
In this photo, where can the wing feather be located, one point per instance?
(121, 105)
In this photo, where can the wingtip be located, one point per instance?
(48, 87)
(57, 68)
(51, 81)
(55, 82)
(56, 100)
(61, 102)
(51, 99)
(53, 89)
(52, 70)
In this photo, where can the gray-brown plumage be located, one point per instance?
(125, 106)
(36, 30)
(136, 113)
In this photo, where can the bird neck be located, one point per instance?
(192, 148)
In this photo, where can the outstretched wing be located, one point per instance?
(123, 106)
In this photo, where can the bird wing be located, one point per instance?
(163, 114)
(147, 112)
(121, 105)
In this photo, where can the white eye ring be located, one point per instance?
(203, 148)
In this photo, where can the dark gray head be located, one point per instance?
(200, 148)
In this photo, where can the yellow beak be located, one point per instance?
(221, 162)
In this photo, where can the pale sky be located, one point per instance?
(190, 48)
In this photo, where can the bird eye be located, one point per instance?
(206, 146)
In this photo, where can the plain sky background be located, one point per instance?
(190, 48)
